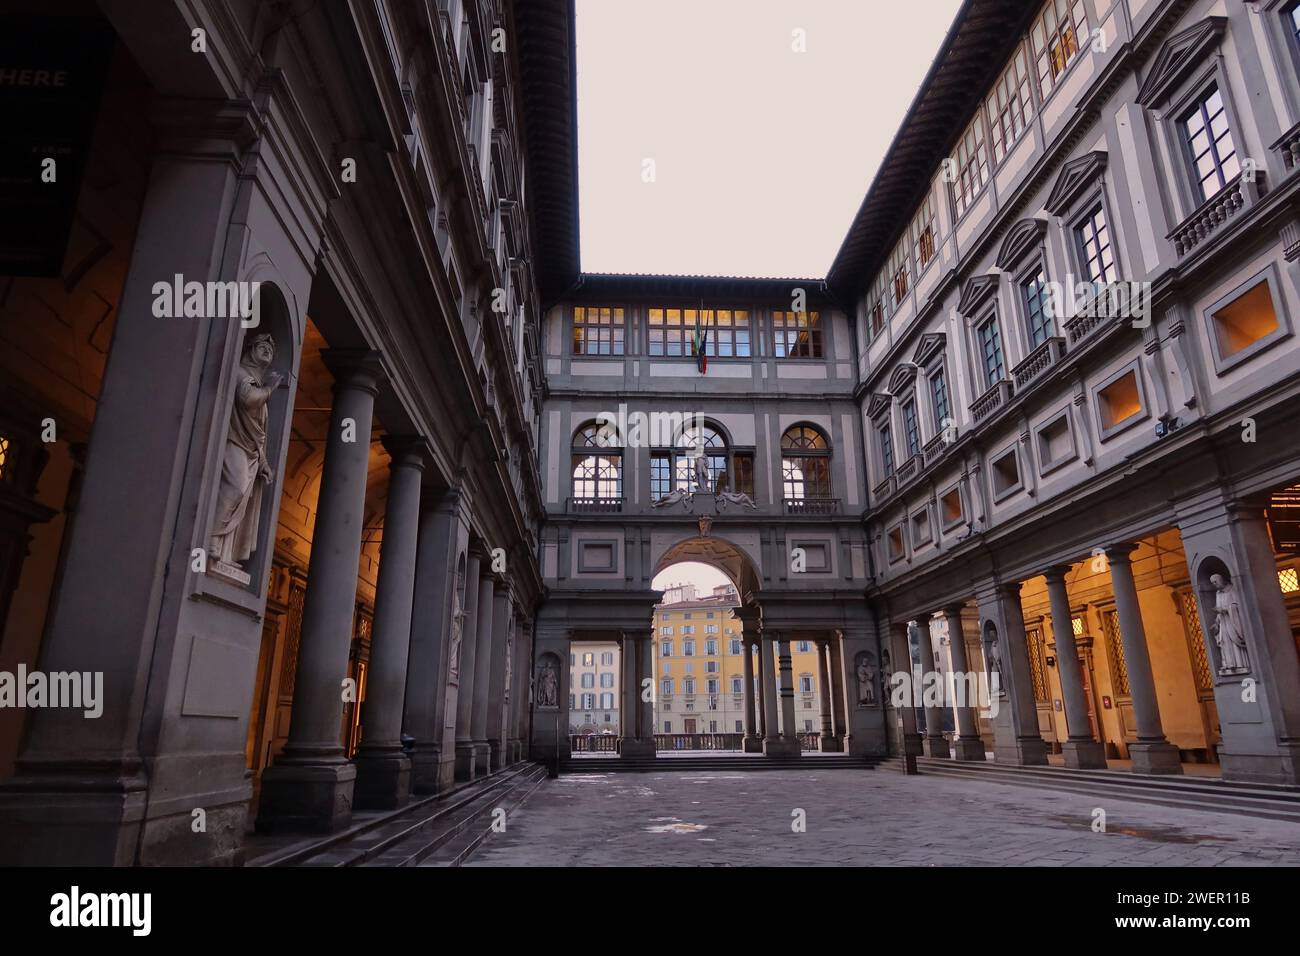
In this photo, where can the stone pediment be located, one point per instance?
(931, 344)
(1181, 53)
(1076, 176)
(880, 402)
(1021, 239)
(902, 379)
(976, 292)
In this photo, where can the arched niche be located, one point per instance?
(1207, 600)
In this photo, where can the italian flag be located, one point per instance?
(699, 342)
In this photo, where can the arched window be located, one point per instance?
(673, 469)
(805, 466)
(597, 468)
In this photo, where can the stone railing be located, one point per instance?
(933, 450)
(1215, 211)
(595, 505)
(908, 470)
(1288, 148)
(698, 741)
(809, 741)
(593, 743)
(1038, 361)
(991, 401)
(812, 506)
(884, 489)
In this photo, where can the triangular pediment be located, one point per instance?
(1023, 237)
(976, 292)
(1076, 176)
(931, 344)
(1180, 53)
(880, 402)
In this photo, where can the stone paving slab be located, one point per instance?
(862, 818)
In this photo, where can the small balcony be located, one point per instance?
(909, 469)
(596, 505)
(883, 489)
(933, 450)
(1288, 147)
(1038, 361)
(1229, 201)
(991, 401)
(812, 506)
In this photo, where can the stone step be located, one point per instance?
(1186, 792)
(714, 764)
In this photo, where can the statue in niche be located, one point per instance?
(547, 685)
(1229, 627)
(995, 662)
(866, 673)
(244, 466)
(453, 643)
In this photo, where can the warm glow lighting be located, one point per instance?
(1288, 580)
(1246, 320)
(1120, 400)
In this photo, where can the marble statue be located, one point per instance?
(866, 673)
(1229, 628)
(735, 498)
(995, 661)
(245, 470)
(453, 649)
(547, 686)
(672, 498)
(701, 474)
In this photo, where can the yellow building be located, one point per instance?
(699, 667)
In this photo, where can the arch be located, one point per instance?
(726, 556)
(991, 644)
(596, 462)
(1206, 568)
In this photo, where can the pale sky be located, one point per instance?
(703, 576)
(761, 154)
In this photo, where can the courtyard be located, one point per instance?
(861, 818)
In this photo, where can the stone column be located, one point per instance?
(631, 744)
(752, 743)
(1017, 740)
(468, 660)
(908, 739)
(310, 785)
(841, 722)
(1152, 753)
(483, 664)
(502, 620)
(1080, 749)
(968, 745)
(767, 688)
(645, 703)
(826, 741)
(383, 768)
(788, 742)
(520, 687)
(936, 745)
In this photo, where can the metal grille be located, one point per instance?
(1195, 643)
(292, 638)
(1287, 578)
(1115, 648)
(1036, 669)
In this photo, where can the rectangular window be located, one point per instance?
(939, 392)
(971, 160)
(1120, 400)
(711, 685)
(743, 481)
(710, 648)
(991, 352)
(665, 648)
(661, 480)
(1208, 142)
(668, 333)
(806, 684)
(1010, 106)
(737, 685)
(899, 269)
(911, 428)
(1057, 37)
(597, 331)
(886, 450)
(735, 647)
(803, 647)
(668, 726)
(688, 648)
(711, 667)
(688, 685)
(1038, 311)
(796, 335)
(1246, 320)
(1115, 650)
(728, 333)
(666, 687)
(1093, 236)
(922, 233)
(588, 659)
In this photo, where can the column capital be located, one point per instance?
(1056, 572)
(1120, 553)
(355, 368)
(406, 451)
(1009, 589)
(952, 610)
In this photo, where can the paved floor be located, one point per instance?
(870, 817)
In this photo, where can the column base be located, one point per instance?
(1155, 758)
(909, 745)
(1084, 754)
(781, 748)
(496, 755)
(383, 780)
(1279, 768)
(482, 758)
(830, 745)
(432, 771)
(465, 764)
(306, 797)
(1022, 752)
(968, 748)
(936, 747)
(632, 747)
(751, 745)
